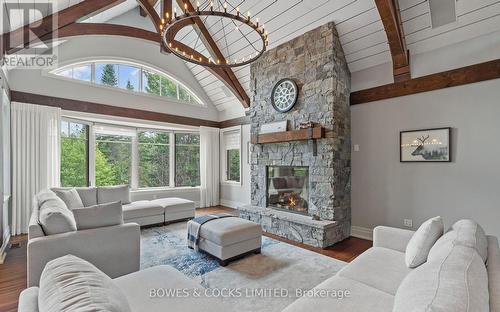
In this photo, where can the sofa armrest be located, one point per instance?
(493, 268)
(392, 238)
(28, 300)
(115, 250)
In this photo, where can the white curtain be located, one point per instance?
(35, 157)
(209, 166)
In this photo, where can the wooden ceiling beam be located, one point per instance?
(143, 12)
(83, 29)
(391, 18)
(451, 78)
(32, 33)
(227, 74)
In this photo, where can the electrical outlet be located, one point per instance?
(356, 147)
(408, 223)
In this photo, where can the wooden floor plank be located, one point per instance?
(13, 271)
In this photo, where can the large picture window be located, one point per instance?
(74, 154)
(154, 159)
(102, 155)
(231, 149)
(187, 159)
(113, 159)
(130, 77)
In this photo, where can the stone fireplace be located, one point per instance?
(301, 189)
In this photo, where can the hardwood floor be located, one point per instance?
(13, 271)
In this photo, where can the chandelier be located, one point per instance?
(223, 19)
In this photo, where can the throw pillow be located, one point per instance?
(99, 216)
(54, 217)
(422, 241)
(72, 284)
(88, 195)
(108, 194)
(70, 197)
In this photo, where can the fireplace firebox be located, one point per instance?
(288, 188)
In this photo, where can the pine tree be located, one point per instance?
(130, 86)
(109, 75)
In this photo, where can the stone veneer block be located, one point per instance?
(300, 228)
(316, 62)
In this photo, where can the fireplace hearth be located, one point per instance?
(288, 188)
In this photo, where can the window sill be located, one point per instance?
(166, 189)
(232, 183)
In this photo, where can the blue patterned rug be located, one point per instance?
(280, 265)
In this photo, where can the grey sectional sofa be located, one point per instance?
(114, 248)
(143, 212)
(454, 278)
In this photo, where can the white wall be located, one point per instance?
(235, 195)
(89, 47)
(385, 191)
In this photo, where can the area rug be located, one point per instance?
(268, 280)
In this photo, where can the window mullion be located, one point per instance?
(172, 159)
(135, 163)
(92, 151)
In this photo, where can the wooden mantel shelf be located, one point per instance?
(288, 136)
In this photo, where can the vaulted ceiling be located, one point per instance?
(358, 22)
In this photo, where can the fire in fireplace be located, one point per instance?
(288, 188)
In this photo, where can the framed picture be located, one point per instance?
(428, 145)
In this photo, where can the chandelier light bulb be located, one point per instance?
(257, 21)
(248, 16)
(198, 6)
(175, 12)
(161, 26)
(225, 7)
(211, 6)
(185, 7)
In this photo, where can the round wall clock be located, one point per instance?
(284, 95)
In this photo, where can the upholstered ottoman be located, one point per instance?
(228, 239)
(176, 209)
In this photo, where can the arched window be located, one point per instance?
(129, 76)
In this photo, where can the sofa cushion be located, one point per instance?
(378, 267)
(362, 298)
(70, 197)
(88, 195)
(44, 195)
(55, 217)
(227, 231)
(71, 284)
(457, 282)
(108, 194)
(464, 233)
(422, 241)
(174, 204)
(98, 216)
(142, 208)
(136, 287)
